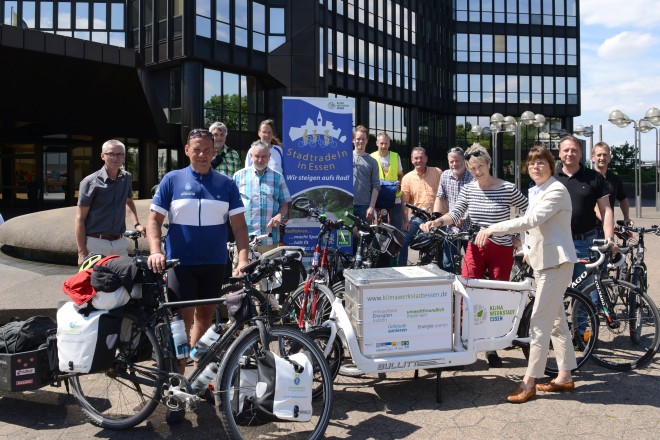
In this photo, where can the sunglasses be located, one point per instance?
(469, 156)
(455, 150)
(198, 133)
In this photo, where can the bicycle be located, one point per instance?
(629, 335)
(144, 371)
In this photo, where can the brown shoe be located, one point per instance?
(552, 386)
(521, 396)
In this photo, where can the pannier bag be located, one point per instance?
(284, 387)
(387, 194)
(20, 336)
(86, 343)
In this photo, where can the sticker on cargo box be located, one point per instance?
(24, 382)
(25, 371)
(414, 272)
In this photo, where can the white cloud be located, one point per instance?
(627, 45)
(616, 13)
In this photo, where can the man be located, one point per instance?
(451, 182)
(601, 157)
(103, 197)
(226, 160)
(419, 187)
(390, 169)
(588, 189)
(265, 195)
(198, 203)
(366, 183)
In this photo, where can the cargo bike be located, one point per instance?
(421, 317)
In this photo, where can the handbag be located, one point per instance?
(387, 194)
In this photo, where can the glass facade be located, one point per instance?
(425, 71)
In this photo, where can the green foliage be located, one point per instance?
(623, 161)
(229, 109)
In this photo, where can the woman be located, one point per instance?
(487, 200)
(550, 252)
(268, 134)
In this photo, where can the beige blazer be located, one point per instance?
(547, 225)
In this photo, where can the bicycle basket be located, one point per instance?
(388, 239)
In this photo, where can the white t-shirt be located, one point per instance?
(275, 162)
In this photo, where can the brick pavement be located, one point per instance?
(605, 404)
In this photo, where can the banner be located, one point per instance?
(318, 159)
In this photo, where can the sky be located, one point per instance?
(620, 50)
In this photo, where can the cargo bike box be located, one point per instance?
(24, 371)
(400, 310)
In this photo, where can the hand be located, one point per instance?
(425, 227)
(241, 263)
(406, 225)
(482, 237)
(142, 230)
(628, 222)
(156, 262)
(370, 214)
(81, 256)
(275, 221)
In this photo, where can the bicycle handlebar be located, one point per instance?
(423, 213)
(359, 223)
(603, 250)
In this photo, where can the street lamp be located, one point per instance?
(493, 130)
(511, 125)
(622, 120)
(645, 126)
(587, 131)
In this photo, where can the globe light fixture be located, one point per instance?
(644, 125)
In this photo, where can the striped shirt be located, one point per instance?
(262, 196)
(198, 207)
(449, 189)
(487, 207)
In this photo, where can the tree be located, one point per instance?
(230, 109)
(623, 160)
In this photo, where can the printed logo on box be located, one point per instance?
(24, 382)
(25, 371)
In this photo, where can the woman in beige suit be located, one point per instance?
(549, 250)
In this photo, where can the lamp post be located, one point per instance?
(511, 125)
(653, 115)
(493, 130)
(622, 120)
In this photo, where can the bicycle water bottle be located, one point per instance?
(205, 378)
(202, 346)
(179, 337)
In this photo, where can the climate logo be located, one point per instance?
(480, 314)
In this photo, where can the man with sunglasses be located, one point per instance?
(103, 197)
(200, 204)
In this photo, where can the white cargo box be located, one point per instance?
(400, 310)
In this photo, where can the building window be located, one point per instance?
(241, 23)
(389, 118)
(276, 31)
(258, 27)
(226, 99)
(203, 18)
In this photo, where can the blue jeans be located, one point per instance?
(412, 230)
(449, 250)
(396, 216)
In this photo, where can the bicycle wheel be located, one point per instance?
(294, 303)
(128, 392)
(239, 378)
(582, 326)
(320, 336)
(632, 340)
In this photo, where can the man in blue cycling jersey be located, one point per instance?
(199, 204)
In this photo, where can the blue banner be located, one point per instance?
(318, 159)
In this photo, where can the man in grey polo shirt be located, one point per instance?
(102, 201)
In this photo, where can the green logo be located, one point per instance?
(343, 238)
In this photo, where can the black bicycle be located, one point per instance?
(144, 372)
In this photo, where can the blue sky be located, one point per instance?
(620, 49)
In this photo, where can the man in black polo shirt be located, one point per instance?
(601, 156)
(102, 201)
(588, 189)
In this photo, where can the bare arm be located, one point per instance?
(372, 204)
(625, 209)
(156, 261)
(130, 204)
(440, 206)
(80, 231)
(239, 227)
(608, 218)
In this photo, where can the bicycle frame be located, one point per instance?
(465, 345)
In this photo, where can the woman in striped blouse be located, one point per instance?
(487, 200)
